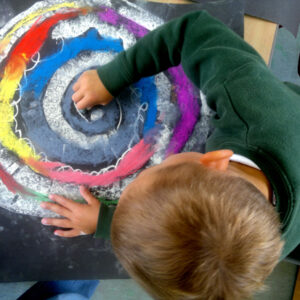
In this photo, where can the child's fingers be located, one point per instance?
(68, 233)
(62, 223)
(60, 210)
(77, 96)
(76, 86)
(82, 104)
(86, 194)
(65, 202)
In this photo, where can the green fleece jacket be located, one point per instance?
(256, 115)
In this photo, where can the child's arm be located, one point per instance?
(208, 51)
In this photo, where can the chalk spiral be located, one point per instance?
(48, 146)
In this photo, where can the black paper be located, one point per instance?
(30, 251)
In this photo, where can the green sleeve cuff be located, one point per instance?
(114, 75)
(104, 221)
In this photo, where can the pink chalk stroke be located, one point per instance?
(135, 159)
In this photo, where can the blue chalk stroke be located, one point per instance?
(149, 96)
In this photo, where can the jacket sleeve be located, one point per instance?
(104, 221)
(207, 49)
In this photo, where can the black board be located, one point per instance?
(230, 12)
(30, 251)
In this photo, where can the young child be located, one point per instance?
(203, 226)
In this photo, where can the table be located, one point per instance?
(261, 35)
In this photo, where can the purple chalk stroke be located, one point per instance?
(189, 109)
(187, 101)
(112, 17)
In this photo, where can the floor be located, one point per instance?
(280, 287)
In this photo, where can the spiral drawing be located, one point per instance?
(46, 144)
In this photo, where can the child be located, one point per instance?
(203, 226)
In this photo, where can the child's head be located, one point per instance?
(185, 231)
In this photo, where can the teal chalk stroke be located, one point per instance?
(285, 60)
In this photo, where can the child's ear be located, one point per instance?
(218, 160)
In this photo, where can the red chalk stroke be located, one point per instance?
(31, 43)
(11, 184)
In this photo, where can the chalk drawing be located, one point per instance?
(48, 146)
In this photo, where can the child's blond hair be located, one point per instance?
(196, 233)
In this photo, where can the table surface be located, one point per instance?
(297, 288)
(261, 35)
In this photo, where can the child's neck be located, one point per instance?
(254, 176)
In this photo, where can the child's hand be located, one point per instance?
(90, 91)
(79, 218)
